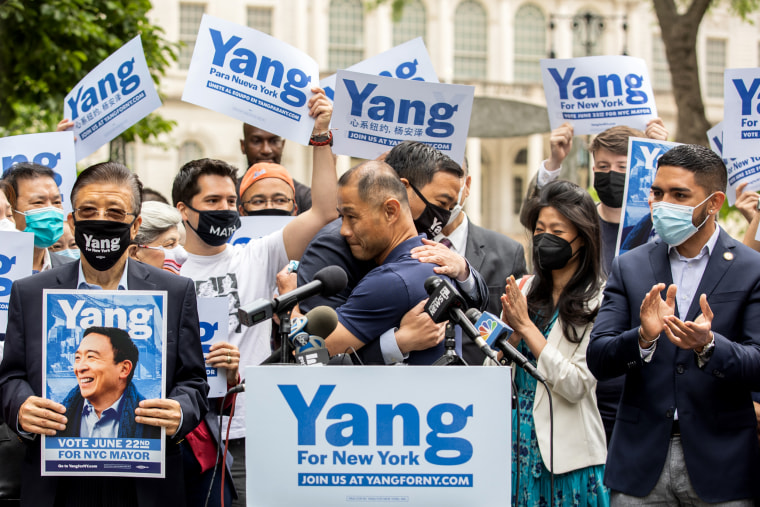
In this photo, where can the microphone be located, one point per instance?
(445, 303)
(237, 389)
(320, 322)
(328, 281)
(496, 333)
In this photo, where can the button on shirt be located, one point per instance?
(105, 426)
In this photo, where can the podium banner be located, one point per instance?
(376, 434)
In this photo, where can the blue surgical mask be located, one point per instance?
(45, 223)
(674, 222)
(72, 253)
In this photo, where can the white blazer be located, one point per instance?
(579, 439)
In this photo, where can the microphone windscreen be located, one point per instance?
(322, 321)
(333, 280)
(432, 283)
(473, 314)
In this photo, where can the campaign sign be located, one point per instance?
(739, 171)
(257, 227)
(372, 114)
(741, 113)
(115, 95)
(595, 93)
(101, 388)
(327, 437)
(51, 149)
(212, 315)
(409, 60)
(253, 77)
(16, 250)
(636, 227)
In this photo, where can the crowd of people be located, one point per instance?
(651, 358)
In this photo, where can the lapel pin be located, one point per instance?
(728, 256)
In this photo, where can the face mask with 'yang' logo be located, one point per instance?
(102, 242)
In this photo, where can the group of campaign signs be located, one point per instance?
(378, 103)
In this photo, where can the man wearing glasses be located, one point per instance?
(267, 189)
(106, 199)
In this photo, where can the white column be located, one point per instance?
(535, 154)
(473, 206)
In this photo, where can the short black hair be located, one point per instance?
(186, 186)
(124, 349)
(375, 182)
(709, 170)
(148, 194)
(26, 171)
(418, 162)
(111, 172)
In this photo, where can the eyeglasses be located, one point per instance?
(91, 212)
(277, 202)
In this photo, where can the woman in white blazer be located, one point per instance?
(552, 313)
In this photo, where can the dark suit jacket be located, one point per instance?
(495, 257)
(715, 412)
(21, 372)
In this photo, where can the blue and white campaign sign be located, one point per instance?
(253, 77)
(103, 352)
(409, 60)
(636, 227)
(595, 93)
(739, 171)
(741, 113)
(51, 149)
(16, 250)
(115, 95)
(257, 227)
(372, 114)
(372, 434)
(214, 321)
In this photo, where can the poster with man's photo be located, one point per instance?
(103, 353)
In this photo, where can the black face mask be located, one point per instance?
(268, 212)
(611, 187)
(215, 227)
(433, 219)
(551, 252)
(102, 242)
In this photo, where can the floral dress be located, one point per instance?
(582, 487)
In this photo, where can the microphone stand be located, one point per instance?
(450, 357)
(286, 349)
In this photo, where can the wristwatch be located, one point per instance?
(707, 350)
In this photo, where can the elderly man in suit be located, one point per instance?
(106, 200)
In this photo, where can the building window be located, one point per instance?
(346, 42)
(715, 60)
(470, 41)
(517, 194)
(260, 18)
(530, 43)
(413, 23)
(189, 150)
(588, 31)
(660, 68)
(189, 21)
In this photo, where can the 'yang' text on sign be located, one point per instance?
(739, 170)
(741, 113)
(595, 93)
(373, 114)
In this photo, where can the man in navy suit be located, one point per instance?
(106, 200)
(680, 320)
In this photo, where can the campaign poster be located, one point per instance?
(741, 113)
(115, 95)
(372, 434)
(253, 77)
(257, 227)
(372, 114)
(739, 171)
(214, 322)
(595, 93)
(16, 251)
(636, 226)
(409, 60)
(51, 149)
(103, 352)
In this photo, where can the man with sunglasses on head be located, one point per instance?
(106, 199)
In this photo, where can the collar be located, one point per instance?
(82, 283)
(707, 249)
(47, 263)
(403, 248)
(116, 407)
(458, 236)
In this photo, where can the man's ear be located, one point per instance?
(467, 184)
(182, 208)
(391, 210)
(125, 367)
(715, 203)
(242, 146)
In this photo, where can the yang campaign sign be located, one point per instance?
(253, 77)
(257, 227)
(16, 250)
(372, 114)
(409, 60)
(636, 227)
(741, 113)
(371, 434)
(115, 95)
(739, 171)
(595, 93)
(103, 352)
(214, 323)
(51, 149)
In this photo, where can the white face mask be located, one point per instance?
(7, 225)
(456, 210)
